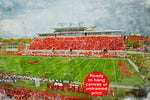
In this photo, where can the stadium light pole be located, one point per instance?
(143, 48)
(25, 35)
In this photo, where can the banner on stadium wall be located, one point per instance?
(37, 82)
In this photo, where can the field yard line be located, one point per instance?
(54, 62)
(76, 66)
(82, 70)
(114, 71)
(56, 68)
(104, 66)
(95, 66)
(57, 72)
(57, 63)
(60, 70)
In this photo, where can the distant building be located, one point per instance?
(139, 39)
(136, 34)
(14, 47)
(2, 47)
(11, 47)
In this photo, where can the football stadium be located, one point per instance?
(54, 65)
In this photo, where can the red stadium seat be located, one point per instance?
(76, 43)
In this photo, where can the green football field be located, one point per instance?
(68, 68)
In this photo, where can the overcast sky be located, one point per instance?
(40, 16)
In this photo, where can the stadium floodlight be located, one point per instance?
(143, 49)
(61, 24)
(80, 24)
(25, 35)
(70, 24)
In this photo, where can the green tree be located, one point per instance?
(133, 44)
(136, 44)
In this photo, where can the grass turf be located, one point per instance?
(68, 68)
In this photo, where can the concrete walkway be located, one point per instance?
(135, 67)
(123, 86)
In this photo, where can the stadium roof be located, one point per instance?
(69, 32)
(45, 34)
(70, 29)
(113, 30)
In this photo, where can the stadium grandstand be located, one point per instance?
(77, 41)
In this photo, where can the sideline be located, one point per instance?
(135, 67)
(123, 86)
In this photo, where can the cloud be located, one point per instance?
(40, 16)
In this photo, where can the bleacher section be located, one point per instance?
(78, 43)
(89, 46)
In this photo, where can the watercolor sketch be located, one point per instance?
(48, 48)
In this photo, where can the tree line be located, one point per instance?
(20, 41)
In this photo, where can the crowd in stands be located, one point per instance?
(78, 43)
(91, 46)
